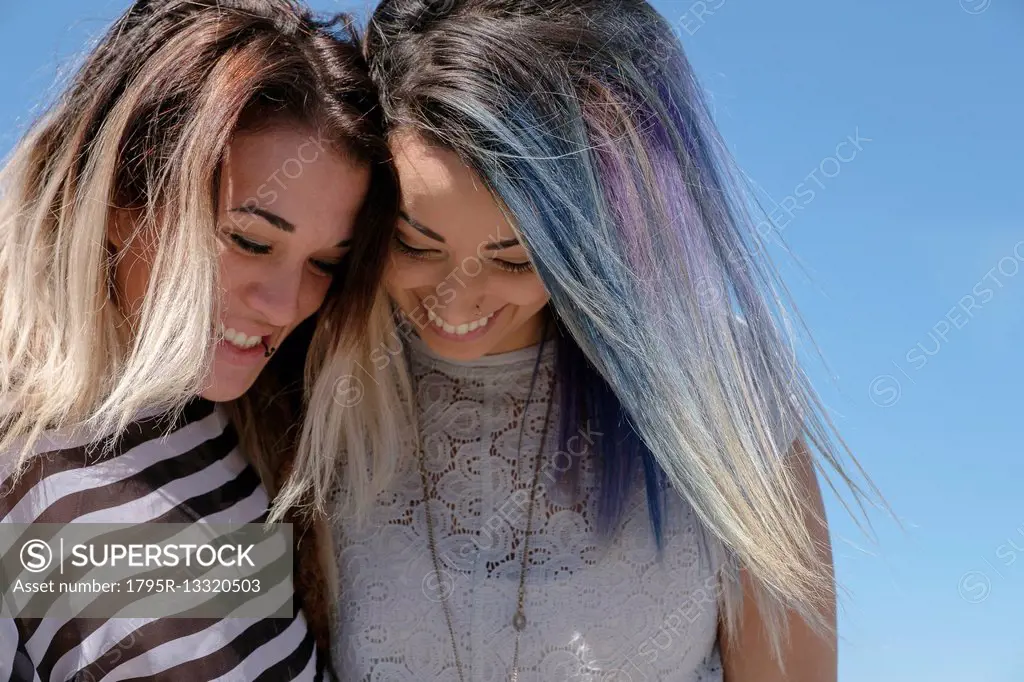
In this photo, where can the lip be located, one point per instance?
(241, 356)
(471, 336)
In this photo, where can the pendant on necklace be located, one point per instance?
(519, 620)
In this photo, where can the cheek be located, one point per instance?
(524, 290)
(235, 272)
(312, 294)
(131, 279)
(239, 275)
(403, 274)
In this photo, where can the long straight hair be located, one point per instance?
(140, 131)
(587, 124)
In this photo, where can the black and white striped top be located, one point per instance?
(187, 471)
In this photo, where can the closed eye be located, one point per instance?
(423, 254)
(412, 251)
(326, 267)
(513, 267)
(249, 245)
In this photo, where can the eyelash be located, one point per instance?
(424, 254)
(249, 245)
(257, 249)
(418, 254)
(515, 268)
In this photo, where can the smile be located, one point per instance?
(236, 338)
(461, 329)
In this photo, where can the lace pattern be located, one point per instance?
(608, 611)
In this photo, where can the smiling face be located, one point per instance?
(457, 267)
(286, 210)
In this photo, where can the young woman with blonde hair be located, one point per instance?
(191, 242)
(611, 468)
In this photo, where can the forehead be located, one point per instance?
(440, 191)
(292, 172)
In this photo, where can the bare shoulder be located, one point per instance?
(807, 655)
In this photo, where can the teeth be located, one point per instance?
(461, 329)
(237, 338)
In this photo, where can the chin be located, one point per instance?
(215, 395)
(454, 350)
(225, 391)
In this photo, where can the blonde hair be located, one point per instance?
(140, 132)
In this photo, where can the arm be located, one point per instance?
(807, 656)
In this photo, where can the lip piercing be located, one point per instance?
(269, 350)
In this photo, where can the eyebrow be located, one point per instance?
(272, 218)
(277, 221)
(492, 246)
(420, 227)
(503, 244)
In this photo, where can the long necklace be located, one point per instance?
(519, 619)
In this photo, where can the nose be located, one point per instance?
(472, 291)
(466, 306)
(277, 298)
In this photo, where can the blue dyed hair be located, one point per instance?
(586, 122)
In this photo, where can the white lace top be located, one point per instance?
(595, 612)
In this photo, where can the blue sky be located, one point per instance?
(902, 262)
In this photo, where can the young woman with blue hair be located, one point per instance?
(611, 469)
